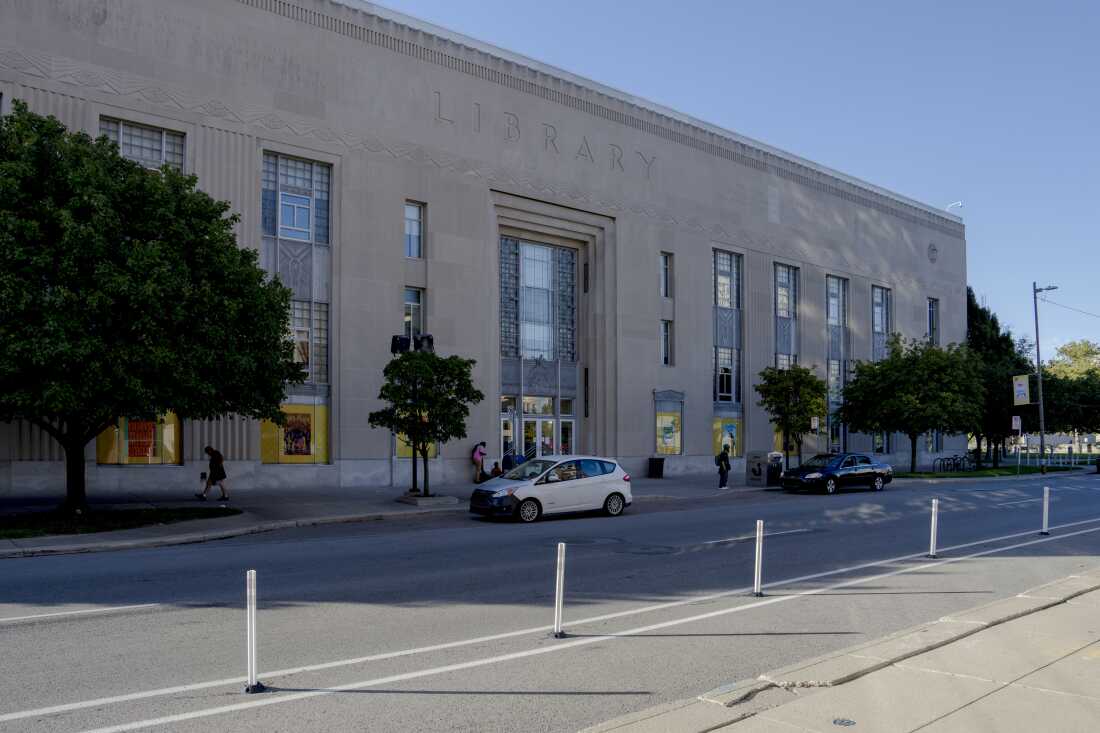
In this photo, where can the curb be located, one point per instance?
(1023, 477)
(735, 702)
(209, 536)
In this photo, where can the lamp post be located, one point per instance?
(1035, 290)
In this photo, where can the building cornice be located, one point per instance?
(372, 24)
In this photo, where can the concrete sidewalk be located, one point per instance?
(269, 510)
(1023, 664)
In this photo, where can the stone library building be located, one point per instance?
(621, 272)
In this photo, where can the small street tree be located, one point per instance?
(428, 398)
(124, 293)
(792, 397)
(917, 388)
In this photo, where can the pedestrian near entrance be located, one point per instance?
(478, 458)
(215, 474)
(722, 460)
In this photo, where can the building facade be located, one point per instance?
(620, 271)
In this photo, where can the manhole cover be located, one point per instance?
(843, 722)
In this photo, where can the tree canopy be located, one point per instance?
(125, 294)
(998, 357)
(792, 397)
(428, 398)
(1076, 359)
(917, 388)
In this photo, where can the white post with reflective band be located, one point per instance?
(1046, 511)
(757, 586)
(254, 685)
(559, 591)
(935, 527)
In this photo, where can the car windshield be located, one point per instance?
(821, 460)
(529, 470)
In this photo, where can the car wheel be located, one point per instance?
(830, 485)
(528, 510)
(878, 484)
(614, 504)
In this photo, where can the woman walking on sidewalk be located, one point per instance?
(215, 474)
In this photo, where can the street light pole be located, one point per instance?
(1035, 290)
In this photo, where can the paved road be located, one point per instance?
(442, 623)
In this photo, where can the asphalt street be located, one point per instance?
(443, 623)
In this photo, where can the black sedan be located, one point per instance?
(830, 472)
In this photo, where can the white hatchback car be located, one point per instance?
(555, 485)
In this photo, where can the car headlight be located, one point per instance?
(812, 475)
(504, 492)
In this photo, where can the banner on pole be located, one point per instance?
(1017, 423)
(1021, 390)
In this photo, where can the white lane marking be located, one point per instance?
(107, 609)
(193, 687)
(1021, 501)
(753, 536)
(263, 702)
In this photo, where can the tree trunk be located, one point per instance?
(786, 452)
(978, 452)
(996, 445)
(912, 453)
(426, 492)
(415, 453)
(76, 500)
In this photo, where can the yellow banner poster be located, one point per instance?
(1021, 390)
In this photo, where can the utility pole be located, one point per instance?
(1035, 290)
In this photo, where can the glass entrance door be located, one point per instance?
(538, 438)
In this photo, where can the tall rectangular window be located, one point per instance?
(727, 326)
(666, 343)
(934, 321)
(786, 316)
(536, 302)
(414, 230)
(414, 312)
(666, 275)
(295, 228)
(881, 325)
(836, 320)
(149, 146)
(724, 375)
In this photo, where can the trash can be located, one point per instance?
(756, 468)
(775, 468)
(656, 467)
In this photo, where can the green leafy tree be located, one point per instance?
(917, 388)
(998, 358)
(124, 293)
(1071, 404)
(792, 397)
(1076, 359)
(428, 398)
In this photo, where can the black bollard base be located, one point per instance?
(253, 689)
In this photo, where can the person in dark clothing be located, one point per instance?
(215, 474)
(722, 460)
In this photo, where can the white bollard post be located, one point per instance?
(757, 586)
(559, 592)
(1046, 511)
(254, 685)
(935, 527)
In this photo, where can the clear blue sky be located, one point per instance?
(993, 103)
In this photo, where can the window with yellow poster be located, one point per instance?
(140, 441)
(726, 431)
(669, 432)
(404, 449)
(303, 437)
